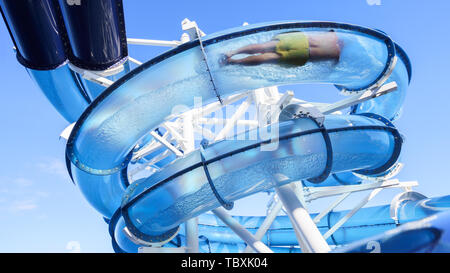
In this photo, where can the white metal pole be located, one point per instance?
(233, 120)
(266, 224)
(244, 234)
(133, 60)
(358, 98)
(134, 41)
(308, 234)
(331, 207)
(166, 143)
(191, 227)
(352, 212)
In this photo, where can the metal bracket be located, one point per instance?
(97, 77)
(192, 29)
(312, 193)
(147, 42)
(226, 204)
(294, 111)
(362, 96)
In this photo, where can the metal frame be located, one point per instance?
(308, 235)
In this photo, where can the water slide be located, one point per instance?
(428, 235)
(301, 143)
(367, 222)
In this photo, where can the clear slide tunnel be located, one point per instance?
(101, 145)
(74, 50)
(371, 221)
(100, 129)
(182, 190)
(154, 96)
(429, 235)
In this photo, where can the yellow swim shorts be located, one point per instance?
(293, 48)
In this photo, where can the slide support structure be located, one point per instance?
(309, 237)
(244, 234)
(271, 216)
(192, 235)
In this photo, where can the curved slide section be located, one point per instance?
(364, 60)
(429, 235)
(64, 90)
(182, 190)
(36, 33)
(367, 222)
(152, 209)
(118, 118)
(200, 181)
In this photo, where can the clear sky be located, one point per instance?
(41, 211)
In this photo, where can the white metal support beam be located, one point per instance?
(243, 233)
(266, 223)
(344, 219)
(315, 193)
(133, 60)
(309, 237)
(92, 76)
(147, 42)
(192, 235)
(232, 121)
(358, 98)
(331, 207)
(166, 143)
(210, 108)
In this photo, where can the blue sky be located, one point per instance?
(41, 211)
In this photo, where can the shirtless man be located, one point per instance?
(290, 48)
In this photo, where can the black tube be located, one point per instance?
(35, 31)
(96, 32)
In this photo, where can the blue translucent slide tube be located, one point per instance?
(429, 235)
(154, 96)
(365, 223)
(63, 89)
(177, 76)
(156, 206)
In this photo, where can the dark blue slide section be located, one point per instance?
(35, 30)
(96, 32)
